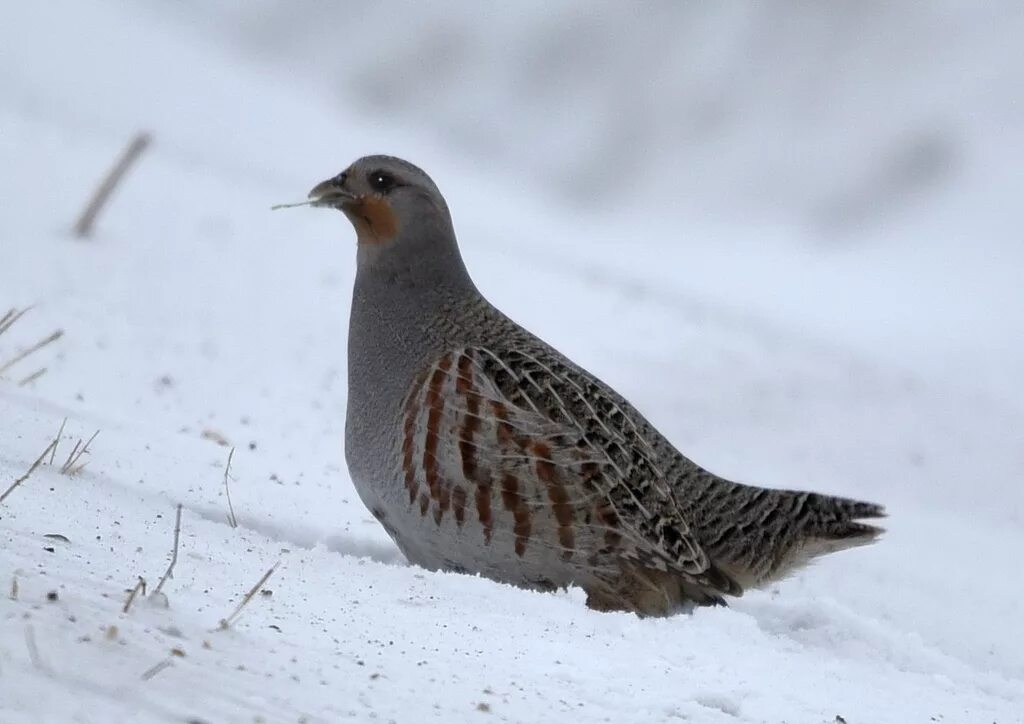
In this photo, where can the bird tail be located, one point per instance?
(833, 524)
(778, 531)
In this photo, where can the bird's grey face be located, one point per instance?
(381, 196)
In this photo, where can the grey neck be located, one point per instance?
(419, 265)
(407, 298)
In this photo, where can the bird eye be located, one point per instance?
(381, 181)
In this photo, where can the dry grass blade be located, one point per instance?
(83, 227)
(227, 622)
(32, 377)
(60, 434)
(12, 316)
(162, 664)
(34, 348)
(39, 461)
(232, 520)
(311, 202)
(67, 463)
(174, 555)
(71, 466)
(156, 668)
(140, 587)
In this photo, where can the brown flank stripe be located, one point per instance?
(459, 504)
(558, 496)
(605, 513)
(483, 509)
(412, 411)
(444, 502)
(504, 426)
(520, 513)
(471, 420)
(468, 451)
(590, 471)
(435, 408)
(464, 378)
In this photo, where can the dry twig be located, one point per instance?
(83, 227)
(3, 319)
(12, 316)
(162, 664)
(70, 466)
(32, 377)
(34, 348)
(232, 520)
(32, 469)
(226, 622)
(60, 434)
(157, 668)
(140, 587)
(174, 555)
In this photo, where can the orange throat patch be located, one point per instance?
(374, 220)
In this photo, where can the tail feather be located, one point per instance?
(831, 524)
(771, 533)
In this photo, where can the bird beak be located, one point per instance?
(331, 193)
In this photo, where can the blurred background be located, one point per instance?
(852, 168)
(871, 150)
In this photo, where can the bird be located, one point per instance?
(482, 449)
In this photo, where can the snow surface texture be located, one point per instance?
(195, 310)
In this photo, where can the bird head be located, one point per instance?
(386, 199)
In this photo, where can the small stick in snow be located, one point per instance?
(32, 469)
(14, 589)
(32, 377)
(60, 434)
(162, 664)
(12, 316)
(227, 622)
(140, 587)
(232, 520)
(70, 466)
(174, 555)
(83, 227)
(3, 319)
(34, 348)
(67, 462)
(156, 668)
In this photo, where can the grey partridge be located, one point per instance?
(482, 449)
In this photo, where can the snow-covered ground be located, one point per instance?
(194, 312)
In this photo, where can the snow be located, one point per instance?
(884, 365)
